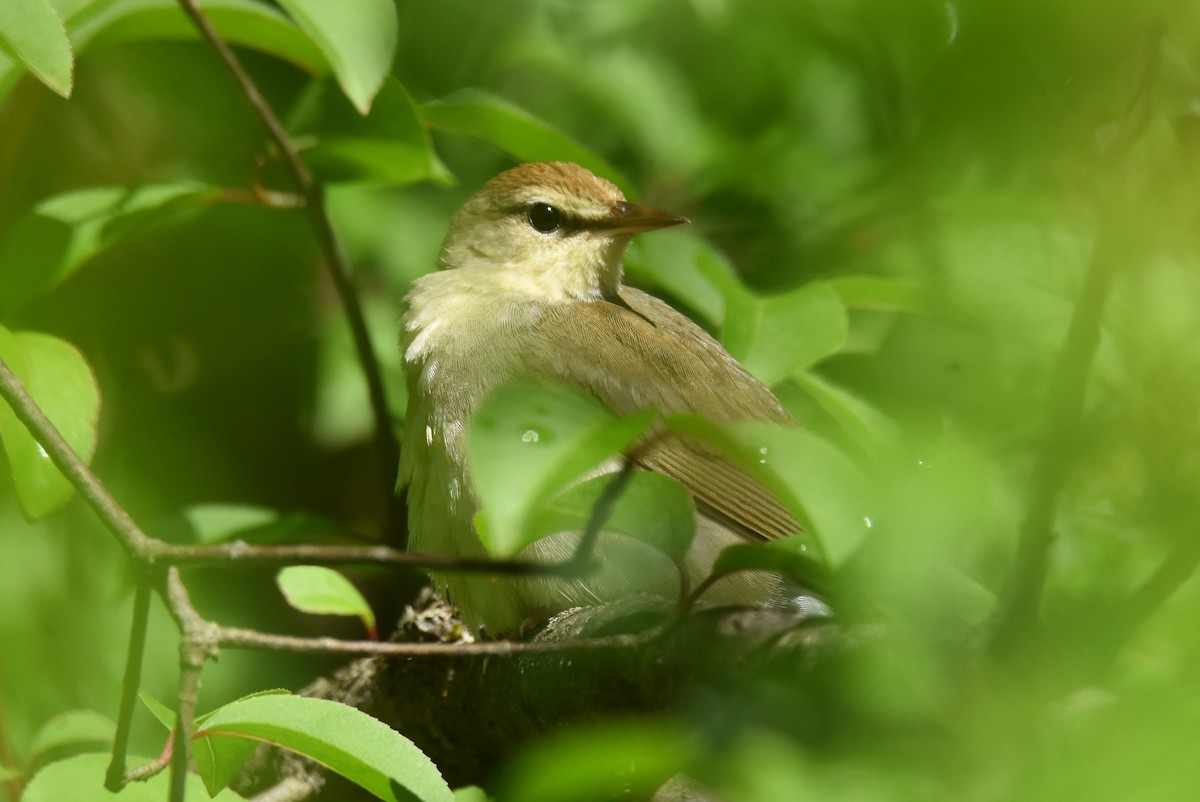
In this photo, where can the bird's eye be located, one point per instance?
(545, 218)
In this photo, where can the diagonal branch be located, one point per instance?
(335, 258)
(1020, 600)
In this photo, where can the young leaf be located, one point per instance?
(358, 38)
(31, 31)
(60, 381)
(81, 779)
(164, 714)
(63, 232)
(323, 591)
(362, 749)
(479, 114)
(527, 442)
(778, 335)
(71, 728)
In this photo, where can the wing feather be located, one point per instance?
(643, 353)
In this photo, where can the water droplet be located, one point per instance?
(762, 455)
(867, 520)
(428, 435)
(42, 452)
(530, 436)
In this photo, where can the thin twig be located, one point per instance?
(116, 779)
(1176, 568)
(13, 784)
(154, 767)
(238, 638)
(335, 257)
(238, 552)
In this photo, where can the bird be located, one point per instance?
(530, 285)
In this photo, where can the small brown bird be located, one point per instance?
(530, 286)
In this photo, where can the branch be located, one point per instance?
(115, 779)
(1176, 568)
(198, 643)
(1017, 612)
(335, 258)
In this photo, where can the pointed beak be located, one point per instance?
(629, 218)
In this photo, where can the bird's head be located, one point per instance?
(551, 229)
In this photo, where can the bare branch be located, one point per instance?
(199, 642)
(1017, 612)
(335, 258)
(237, 638)
(116, 778)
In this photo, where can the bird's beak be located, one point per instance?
(629, 218)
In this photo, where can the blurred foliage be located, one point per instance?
(896, 206)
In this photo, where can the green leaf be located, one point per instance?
(31, 31)
(72, 728)
(779, 335)
(687, 268)
(470, 793)
(164, 714)
(819, 484)
(833, 493)
(388, 146)
(867, 426)
(358, 747)
(323, 591)
(63, 232)
(81, 779)
(789, 557)
(7, 773)
(357, 36)
(60, 381)
(652, 508)
(529, 441)
(628, 760)
(216, 523)
(479, 114)
(247, 23)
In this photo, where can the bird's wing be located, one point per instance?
(643, 353)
